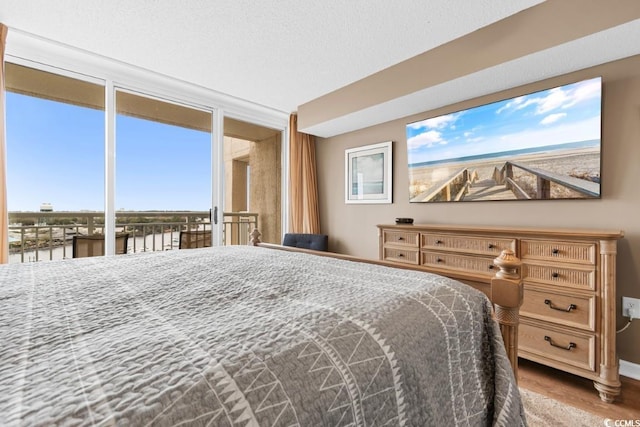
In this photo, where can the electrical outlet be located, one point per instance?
(631, 307)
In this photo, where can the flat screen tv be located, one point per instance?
(540, 146)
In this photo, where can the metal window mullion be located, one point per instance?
(284, 189)
(110, 169)
(217, 174)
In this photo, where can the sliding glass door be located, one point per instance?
(55, 162)
(58, 163)
(163, 171)
(88, 157)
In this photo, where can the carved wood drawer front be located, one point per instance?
(560, 276)
(571, 310)
(564, 346)
(405, 256)
(573, 252)
(476, 264)
(467, 244)
(401, 238)
(569, 279)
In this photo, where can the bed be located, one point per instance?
(247, 335)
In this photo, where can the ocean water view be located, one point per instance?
(514, 154)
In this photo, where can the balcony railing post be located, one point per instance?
(134, 238)
(90, 225)
(64, 240)
(22, 245)
(37, 243)
(50, 243)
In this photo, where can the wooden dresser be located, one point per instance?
(568, 317)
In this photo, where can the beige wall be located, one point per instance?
(509, 39)
(352, 228)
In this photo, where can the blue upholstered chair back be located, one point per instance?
(317, 242)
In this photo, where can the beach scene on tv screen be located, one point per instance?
(539, 146)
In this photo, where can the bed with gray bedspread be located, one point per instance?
(246, 336)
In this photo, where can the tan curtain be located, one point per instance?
(4, 214)
(303, 181)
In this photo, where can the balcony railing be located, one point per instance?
(38, 236)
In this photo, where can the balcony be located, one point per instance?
(40, 236)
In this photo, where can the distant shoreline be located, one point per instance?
(519, 158)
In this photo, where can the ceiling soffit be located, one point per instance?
(54, 87)
(587, 32)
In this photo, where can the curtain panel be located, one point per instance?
(303, 181)
(4, 214)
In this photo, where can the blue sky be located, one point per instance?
(55, 154)
(564, 114)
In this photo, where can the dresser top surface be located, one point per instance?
(576, 233)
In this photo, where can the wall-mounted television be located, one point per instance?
(540, 146)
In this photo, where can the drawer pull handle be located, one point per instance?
(568, 309)
(569, 347)
(400, 255)
(439, 260)
(491, 246)
(400, 238)
(438, 242)
(555, 251)
(491, 266)
(555, 275)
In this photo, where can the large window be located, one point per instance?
(56, 174)
(55, 141)
(55, 159)
(163, 155)
(163, 164)
(118, 158)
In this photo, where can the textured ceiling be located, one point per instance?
(278, 54)
(288, 54)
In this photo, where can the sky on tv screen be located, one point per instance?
(544, 120)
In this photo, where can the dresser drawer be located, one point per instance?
(569, 310)
(572, 252)
(561, 269)
(400, 238)
(559, 276)
(564, 346)
(406, 256)
(467, 244)
(475, 264)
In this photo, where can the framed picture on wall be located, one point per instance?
(369, 173)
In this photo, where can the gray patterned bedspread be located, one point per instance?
(246, 336)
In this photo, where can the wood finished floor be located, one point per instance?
(579, 392)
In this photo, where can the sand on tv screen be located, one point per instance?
(540, 146)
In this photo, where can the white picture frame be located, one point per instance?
(369, 173)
